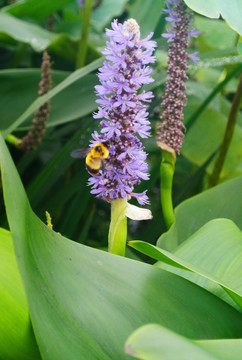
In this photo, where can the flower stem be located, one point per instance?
(227, 136)
(166, 173)
(13, 140)
(82, 46)
(118, 227)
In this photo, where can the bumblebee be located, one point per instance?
(94, 156)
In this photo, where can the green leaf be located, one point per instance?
(77, 295)
(106, 11)
(154, 342)
(213, 250)
(76, 75)
(202, 256)
(204, 137)
(147, 14)
(75, 101)
(13, 29)
(35, 9)
(28, 33)
(222, 201)
(230, 11)
(240, 46)
(16, 334)
(215, 34)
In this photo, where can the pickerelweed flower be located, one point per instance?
(170, 130)
(123, 112)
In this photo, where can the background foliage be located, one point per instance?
(69, 296)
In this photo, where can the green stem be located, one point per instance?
(166, 173)
(13, 140)
(219, 87)
(227, 136)
(118, 227)
(82, 46)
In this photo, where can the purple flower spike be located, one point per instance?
(123, 73)
(171, 130)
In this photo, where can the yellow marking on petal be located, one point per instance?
(121, 79)
(126, 34)
(137, 74)
(119, 54)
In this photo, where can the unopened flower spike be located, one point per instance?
(36, 133)
(123, 114)
(170, 131)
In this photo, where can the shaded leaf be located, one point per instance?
(76, 75)
(75, 101)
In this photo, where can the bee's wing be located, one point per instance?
(79, 153)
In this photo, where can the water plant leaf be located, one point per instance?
(17, 339)
(205, 136)
(203, 257)
(76, 75)
(80, 94)
(155, 342)
(214, 8)
(77, 295)
(222, 201)
(213, 247)
(139, 11)
(106, 11)
(13, 30)
(35, 9)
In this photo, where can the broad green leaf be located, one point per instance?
(215, 34)
(207, 253)
(77, 295)
(222, 201)
(223, 348)
(204, 137)
(13, 29)
(213, 250)
(25, 32)
(75, 101)
(147, 14)
(76, 75)
(16, 334)
(155, 342)
(35, 9)
(230, 10)
(106, 11)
